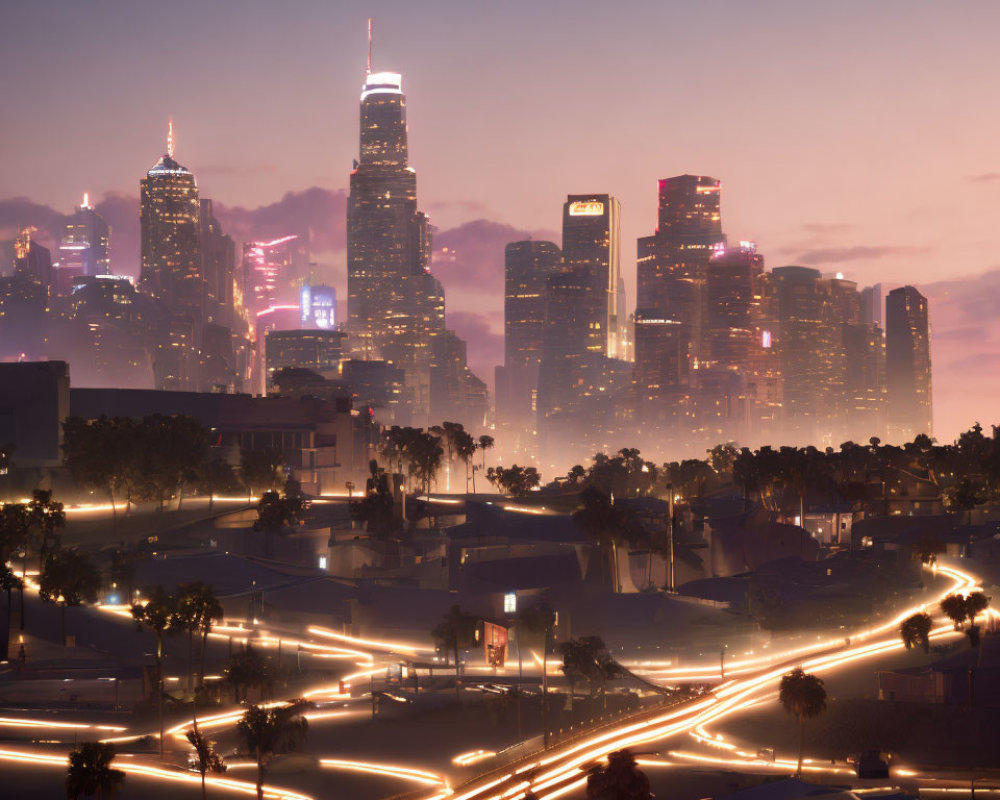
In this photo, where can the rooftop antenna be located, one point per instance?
(369, 45)
(170, 138)
(86, 199)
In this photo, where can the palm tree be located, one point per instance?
(620, 779)
(536, 619)
(608, 525)
(207, 759)
(916, 630)
(955, 609)
(90, 773)
(267, 731)
(68, 579)
(485, 443)
(455, 632)
(158, 614)
(197, 608)
(803, 695)
(249, 669)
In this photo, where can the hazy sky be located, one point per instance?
(852, 136)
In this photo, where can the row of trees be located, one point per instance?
(423, 452)
(156, 457)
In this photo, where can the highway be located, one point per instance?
(550, 774)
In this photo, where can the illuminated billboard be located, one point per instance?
(495, 644)
(586, 208)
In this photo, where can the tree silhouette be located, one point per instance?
(953, 606)
(90, 773)
(9, 581)
(249, 669)
(268, 731)
(619, 779)
(587, 658)
(46, 518)
(515, 480)
(197, 608)
(68, 579)
(275, 514)
(915, 630)
(158, 614)
(206, 759)
(261, 469)
(456, 631)
(803, 696)
(216, 477)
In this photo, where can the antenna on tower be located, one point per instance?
(369, 45)
(170, 138)
(86, 199)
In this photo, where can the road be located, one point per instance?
(550, 774)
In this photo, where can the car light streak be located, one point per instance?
(30, 758)
(12, 722)
(472, 757)
(381, 645)
(389, 770)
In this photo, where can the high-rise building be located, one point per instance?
(85, 245)
(271, 270)
(670, 271)
(592, 245)
(872, 305)
(388, 241)
(32, 261)
(527, 268)
(395, 307)
(908, 364)
(730, 288)
(316, 350)
(812, 355)
(170, 228)
(218, 266)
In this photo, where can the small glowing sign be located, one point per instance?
(765, 339)
(709, 189)
(586, 208)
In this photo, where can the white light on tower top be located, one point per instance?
(382, 83)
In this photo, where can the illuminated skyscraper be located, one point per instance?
(670, 272)
(270, 270)
(32, 261)
(395, 307)
(527, 267)
(169, 219)
(84, 248)
(218, 255)
(908, 364)
(592, 245)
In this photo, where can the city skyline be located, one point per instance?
(860, 260)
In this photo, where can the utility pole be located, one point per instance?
(670, 538)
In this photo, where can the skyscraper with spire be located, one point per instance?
(395, 306)
(170, 236)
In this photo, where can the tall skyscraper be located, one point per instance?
(527, 267)
(388, 242)
(670, 271)
(908, 364)
(218, 266)
(872, 305)
(395, 307)
(85, 245)
(592, 245)
(169, 218)
(32, 261)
